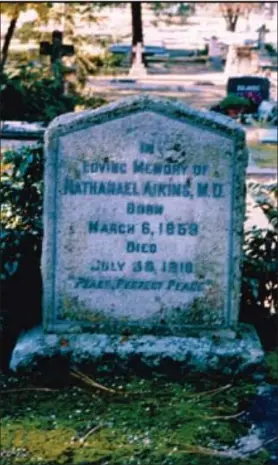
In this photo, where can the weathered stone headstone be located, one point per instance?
(143, 215)
(143, 225)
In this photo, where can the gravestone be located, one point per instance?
(56, 50)
(143, 225)
(143, 218)
(262, 31)
(255, 88)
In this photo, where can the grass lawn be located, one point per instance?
(264, 155)
(138, 421)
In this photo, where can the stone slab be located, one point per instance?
(226, 353)
(16, 134)
(22, 130)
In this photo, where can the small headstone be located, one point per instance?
(143, 219)
(255, 88)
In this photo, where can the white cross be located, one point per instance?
(138, 53)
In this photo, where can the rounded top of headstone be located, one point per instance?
(71, 122)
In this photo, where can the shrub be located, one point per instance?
(28, 94)
(21, 238)
(260, 288)
(260, 268)
(21, 204)
(28, 31)
(32, 94)
(234, 101)
(105, 63)
(271, 49)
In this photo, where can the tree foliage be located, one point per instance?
(170, 8)
(72, 19)
(232, 11)
(75, 17)
(32, 94)
(13, 10)
(259, 304)
(167, 11)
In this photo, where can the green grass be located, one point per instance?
(264, 155)
(147, 421)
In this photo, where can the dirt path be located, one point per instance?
(201, 100)
(200, 85)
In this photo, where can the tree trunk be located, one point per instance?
(231, 16)
(137, 28)
(7, 41)
(231, 23)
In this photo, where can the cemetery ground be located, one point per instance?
(96, 419)
(187, 82)
(264, 155)
(125, 420)
(195, 84)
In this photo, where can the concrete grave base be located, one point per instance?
(224, 352)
